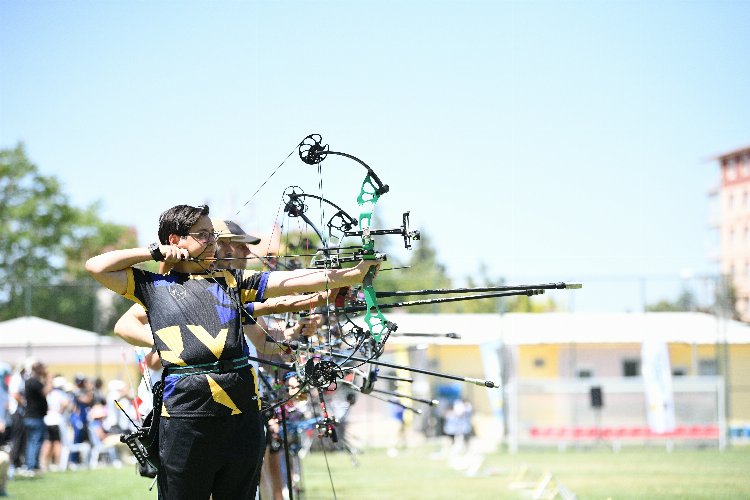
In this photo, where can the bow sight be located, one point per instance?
(341, 221)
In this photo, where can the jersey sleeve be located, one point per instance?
(249, 317)
(137, 285)
(252, 285)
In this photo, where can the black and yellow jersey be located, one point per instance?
(196, 319)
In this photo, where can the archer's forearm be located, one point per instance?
(133, 331)
(117, 260)
(109, 268)
(292, 303)
(314, 280)
(257, 335)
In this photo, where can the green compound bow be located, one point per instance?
(312, 152)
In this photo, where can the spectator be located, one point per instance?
(83, 398)
(59, 404)
(119, 421)
(458, 422)
(17, 409)
(397, 413)
(38, 386)
(99, 397)
(5, 371)
(101, 439)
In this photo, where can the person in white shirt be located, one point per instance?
(59, 404)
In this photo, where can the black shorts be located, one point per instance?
(53, 433)
(217, 457)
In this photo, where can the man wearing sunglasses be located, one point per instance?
(211, 439)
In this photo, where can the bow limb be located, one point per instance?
(368, 197)
(376, 322)
(313, 152)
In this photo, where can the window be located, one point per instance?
(631, 367)
(538, 363)
(731, 171)
(679, 371)
(584, 373)
(707, 366)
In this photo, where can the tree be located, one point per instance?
(45, 242)
(725, 300)
(526, 304)
(481, 279)
(521, 303)
(425, 271)
(685, 302)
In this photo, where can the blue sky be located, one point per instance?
(549, 140)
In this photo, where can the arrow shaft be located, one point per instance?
(504, 288)
(443, 300)
(486, 383)
(430, 402)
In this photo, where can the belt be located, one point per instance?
(220, 366)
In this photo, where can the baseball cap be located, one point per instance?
(59, 382)
(232, 230)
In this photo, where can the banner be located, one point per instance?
(657, 378)
(491, 353)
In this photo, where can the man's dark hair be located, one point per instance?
(178, 220)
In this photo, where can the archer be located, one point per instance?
(211, 439)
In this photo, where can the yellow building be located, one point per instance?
(551, 364)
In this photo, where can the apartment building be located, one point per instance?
(734, 223)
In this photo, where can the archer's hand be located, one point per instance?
(307, 327)
(172, 255)
(364, 266)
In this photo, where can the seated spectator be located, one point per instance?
(101, 440)
(119, 419)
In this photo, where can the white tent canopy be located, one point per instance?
(579, 328)
(33, 331)
(53, 342)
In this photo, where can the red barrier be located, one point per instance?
(623, 433)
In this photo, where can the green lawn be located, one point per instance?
(592, 474)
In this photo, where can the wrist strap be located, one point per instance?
(155, 251)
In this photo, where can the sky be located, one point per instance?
(545, 140)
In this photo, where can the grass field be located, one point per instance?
(591, 474)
